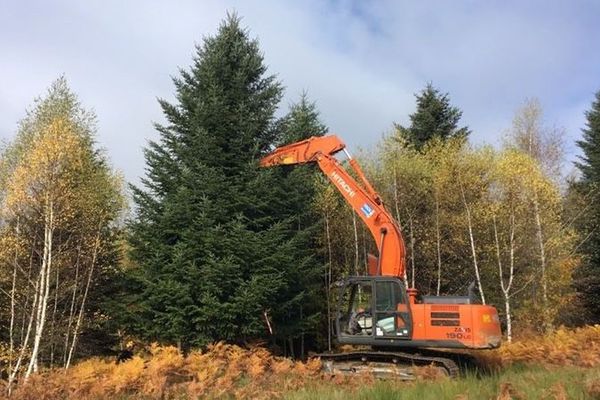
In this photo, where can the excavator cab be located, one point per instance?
(372, 310)
(379, 311)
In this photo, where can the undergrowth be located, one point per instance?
(565, 347)
(563, 365)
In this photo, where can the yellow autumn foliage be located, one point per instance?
(221, 370)
(47, 172)
(564, 347)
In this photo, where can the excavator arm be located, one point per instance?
(363, 199)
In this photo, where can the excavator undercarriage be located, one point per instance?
(388, 364)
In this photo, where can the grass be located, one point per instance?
(515, 382)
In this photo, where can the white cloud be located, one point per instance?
(360, 61)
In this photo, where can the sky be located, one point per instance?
(360, 61)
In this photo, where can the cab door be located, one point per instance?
(392, 317)
(354, 322)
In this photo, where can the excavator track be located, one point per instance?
(395, 365)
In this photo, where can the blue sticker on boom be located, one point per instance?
(367, 210)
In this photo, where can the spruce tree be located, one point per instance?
(301, 311)
(301, 122)
(215, 239)
(587, 280)
(434, 117)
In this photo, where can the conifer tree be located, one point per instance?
(302, 121)
(304, 307)
(588, 275)
(434, 117)
(214, 238)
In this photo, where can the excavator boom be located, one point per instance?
(362, 197)
(304, 152)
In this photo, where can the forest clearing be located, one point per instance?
(259, 256)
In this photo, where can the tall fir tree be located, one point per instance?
(587, 279)
(214, 237)
(434, 117)
(304, 309)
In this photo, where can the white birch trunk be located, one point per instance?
(412, 252)
(82, 308)
(506, 288)
(472, 242)
(12, 306)
(44, 290)
(53, 326)
(397, 209)
(27, 295)
(540, 237)
(38, 315)
(72, 308)
(328, 282)
(396, 201)
(508, 318)
(438, 241)
(510, 277)
(25, 341)
(356, 252)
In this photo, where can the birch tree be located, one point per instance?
(514, 171)
(406, 181)
(60, 201)
(326, 202)
(41, 191)
(530, 135)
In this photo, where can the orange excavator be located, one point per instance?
(391, 326)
